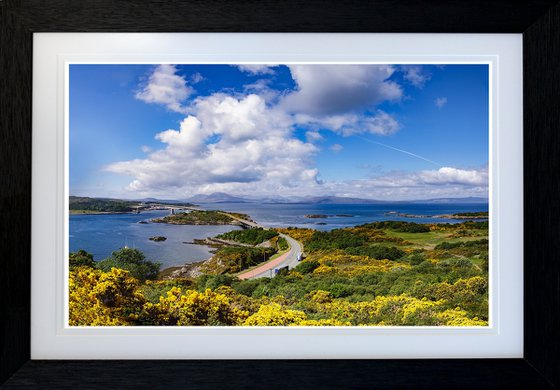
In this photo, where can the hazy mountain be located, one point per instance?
(272, 199)
(165, 201)
(220, 197)
(339, 200)
(217, 197)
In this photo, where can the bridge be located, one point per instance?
(244, 223)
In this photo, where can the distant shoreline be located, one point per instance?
(91, 212)
(457, 216)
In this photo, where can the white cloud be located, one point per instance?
(329, 90)
(256, 69)
(262, 88)
(449, 175)
(146, 149)
(415, 75)
(336, 148)
(343, 98)
(313, 136)
(229, 145)
(443, 182)
(440, 102)
(239, 119)
(245, 143)
(196, 78)
(445, 176)
(380, 123)
(165, 87)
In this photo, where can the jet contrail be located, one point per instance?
(400, 150)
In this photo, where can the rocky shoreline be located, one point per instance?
(191, 270)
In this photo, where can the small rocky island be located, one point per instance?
(158, 238)
(327, 216)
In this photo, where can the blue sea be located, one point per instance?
(102, 234)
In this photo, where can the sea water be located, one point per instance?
(102, 234)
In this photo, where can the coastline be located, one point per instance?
(91, 212)
(353, 213)
(442, 216)
(187, 270)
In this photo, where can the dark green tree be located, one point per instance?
(131, 260)
(81, 258)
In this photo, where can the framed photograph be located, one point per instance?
(272, 196)
(298, 196)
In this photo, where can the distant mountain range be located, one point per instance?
(220, 197)
(165, 201)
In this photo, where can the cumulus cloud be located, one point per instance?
(244, 142)
(441, 177)
(239, 119)
(415, 75)
(166, 87)
(449, 175)
(382, 124)
(313, 136)
(442, 182)
(230, 144)
(379, 123)
(256, 69)
(343, 98)
(329, 90)
(440, 102)
(262, 88)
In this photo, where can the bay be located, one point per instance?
(102, 234)
(344, 215)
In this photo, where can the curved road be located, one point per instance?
(289, 259)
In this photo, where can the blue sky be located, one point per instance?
(373, 131)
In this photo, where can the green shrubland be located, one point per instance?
(378, 274)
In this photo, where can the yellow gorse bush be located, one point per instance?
(275, 315)
(194, 308)
(337, 262)
(114, 298)
(400, 310)
(99, 298)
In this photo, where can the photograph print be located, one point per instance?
(297, 194)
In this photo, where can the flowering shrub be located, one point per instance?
(274, 315)
(103, 298)
(194, 308)
(430, 280)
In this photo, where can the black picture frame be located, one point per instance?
(537, 20)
